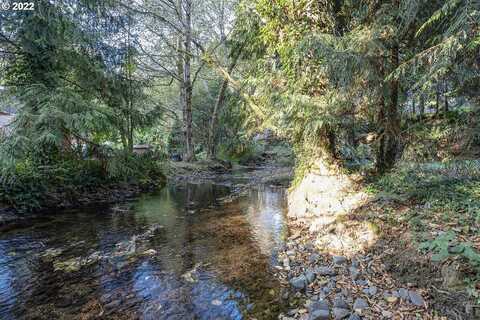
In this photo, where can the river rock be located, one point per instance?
(387, 314)
(389, 297)
(339, 259)
(340, 313)
(361, 282)
(354, 316)
(371, 291)
(320, 304)
(416, 299)
(319, 315)
(355, 263)
(325, 271)
(403, 293)
(339, 302)
(360, 304)
(354, 272)
(319, 310)
(326, 290)
(299, 282)
(313, 258)
(310, 276)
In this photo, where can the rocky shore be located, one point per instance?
(325, 286)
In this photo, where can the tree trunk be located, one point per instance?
(187, 82)
(218, 105)
(180, 62)
(445, 91)
(437, 97)
(390, 122)
(414, 113)
(422, 105)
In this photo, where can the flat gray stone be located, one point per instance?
(416, 298)
(299, 282)
(354, 316)
(340, 313)
(360, 304)
(339, 259)
(403, 293)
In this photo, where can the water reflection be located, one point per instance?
(179, 254)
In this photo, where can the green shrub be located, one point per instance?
(27, 185)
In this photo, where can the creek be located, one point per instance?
(190, 251)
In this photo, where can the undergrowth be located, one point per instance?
(443, 201)
(28, 186)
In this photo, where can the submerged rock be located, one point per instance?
(70, 265)
(51, 253)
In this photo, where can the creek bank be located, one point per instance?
(12, 218)
(353, 255)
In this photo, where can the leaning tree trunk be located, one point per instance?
(218, 105)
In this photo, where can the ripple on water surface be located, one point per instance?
(183, 253)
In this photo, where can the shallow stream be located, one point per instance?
(187, 252)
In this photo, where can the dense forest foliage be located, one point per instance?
(360, 84)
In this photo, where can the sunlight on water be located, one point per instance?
(179, 254)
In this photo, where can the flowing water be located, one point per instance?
(188, 252)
